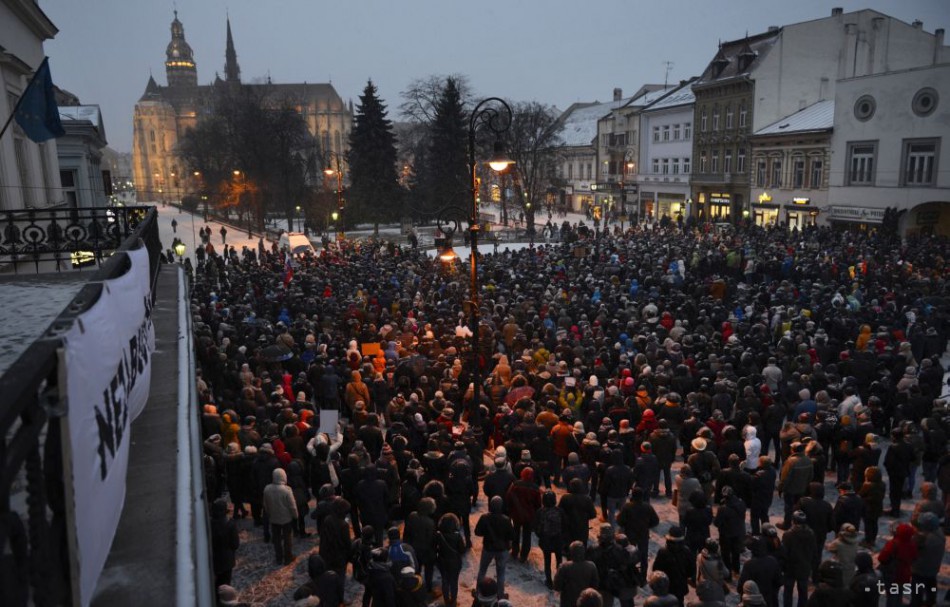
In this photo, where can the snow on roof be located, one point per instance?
(650, 96)
(818, 116)
(580, 123)
(81, 112)
(682, 96)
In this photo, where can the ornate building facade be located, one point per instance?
(164, 113)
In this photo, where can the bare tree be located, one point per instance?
(532, 141)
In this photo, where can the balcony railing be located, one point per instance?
(35, 566)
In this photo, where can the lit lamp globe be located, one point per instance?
(499, 160)
(180, 249)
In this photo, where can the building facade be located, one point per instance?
(164, 113)
(890, 150)
(29, 177)
(665, 155)
(791, 161)
(86, 181)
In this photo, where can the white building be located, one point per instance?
(80, 153)
(665, 155)
(886, 149)
(29, 177)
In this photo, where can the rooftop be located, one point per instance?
(818, 116)
(580, 120)
(681, 96)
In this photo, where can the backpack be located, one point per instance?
(549, 523)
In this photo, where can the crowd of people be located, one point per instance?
(676, 373)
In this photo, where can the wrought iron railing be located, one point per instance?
(62, 239)
(34, 558)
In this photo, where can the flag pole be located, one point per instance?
(19, 100)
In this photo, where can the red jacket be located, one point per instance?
(903, 549)
(523, 500)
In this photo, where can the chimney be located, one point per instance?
(938, 43)
(917, 24)
(773, 28)
(618, 94)
(837, 11)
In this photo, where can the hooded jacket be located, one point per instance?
(495, 528)
(279, 503)
(574, 576)
(898, 555)
(753, 448)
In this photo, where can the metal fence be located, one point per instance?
(34, 558)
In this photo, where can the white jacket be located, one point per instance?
(753, 448)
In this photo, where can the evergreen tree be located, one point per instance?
(445, 176)
(374, 195)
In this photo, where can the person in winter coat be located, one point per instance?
(522, 501)
(449, 547)
(575, 575)
(636, 518)
(930, 550)
(709, 594)
(550, 526)
(419, 532)
(298, 484)
(498, 480)
(730, 521)
(335, 541)
(262, 472)
(380, 582)
(820, 517)
(830, 589)
(677, 561)
(796, 473)
(615, 485)
(849, 508)
(325, 584)
(579, 510)
(928, 503)
(764, 569)
(224, 542)
(497, 533)
(800, 548)
(872, 494)
(896, 560)
(696, 521)
(646, 470)
(371, 494)
(710, 568)
(897, 461)
(459, 490)
(844, 549)
(614, 565)
(763, 486)
(281, 510)
(356, 391)
(864, 589)
(751, 596)
(664, 448)
(659, 584)
(686, 485)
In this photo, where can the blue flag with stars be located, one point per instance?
(37, 113)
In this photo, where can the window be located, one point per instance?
(702, 161)
(760, 174)
(702, 121)
(666, 166)
(727, 162)
(687, 130)
(743, 115)
(44, 167)
(23, 167)
(676, 132)
(68, 180)
(861, 157)
(864, 108)
(656, 166)
(729, 116)
(798, 173)
(570, 170)
(816, 174)
(590, 170)
(151, 136)
(924, 102)
(686, 166)
(919, 160)
(715, 119)
(676, 166)
(666, 132)
(740, 162)
(776, 173)
(656, 133)
(715, 161)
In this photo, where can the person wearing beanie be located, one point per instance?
(576, 575)
(522, 502)
(764, 569)
(497, 533)
(280, 508)
(931, 545)
(730, 521)
(575, 469)
(872, 494)
(228, 597)
(499, 479)
(325, 584)
(450, 545)
(646, 471)
(224, 542)
(763, 488)
(897, 462)
(793, 482)
(751, 597)
(820, 517)
(830, 589)
(419, 532)
(380, 585)
(550, 527)
(660, 591)
(801, 551)
(686, 484)
(678, 562)
(336, 545)
(614, 565)
(844, 549)
(579, 510)
(635, 519)
(710, 569)
(864, 585)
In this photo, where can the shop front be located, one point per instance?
(765, 212)
(715, 207)
(801, 213)
(854, 217)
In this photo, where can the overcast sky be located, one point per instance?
(553, 51)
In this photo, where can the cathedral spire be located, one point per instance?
(232, 71)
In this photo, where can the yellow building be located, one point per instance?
(164, 113)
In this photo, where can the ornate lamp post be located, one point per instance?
(180, 250)
(338, 171)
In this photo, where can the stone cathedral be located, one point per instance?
(164, 113)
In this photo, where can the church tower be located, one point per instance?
(179, 60)
(232, 71)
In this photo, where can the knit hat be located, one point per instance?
(675, 534)
(751, 594)
(486, 590)
(799, 517)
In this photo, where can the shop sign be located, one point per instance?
(720, 198)
(764, 197)
(862, 214)
(801, 200)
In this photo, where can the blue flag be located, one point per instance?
(37, 113)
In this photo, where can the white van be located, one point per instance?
(296, 243)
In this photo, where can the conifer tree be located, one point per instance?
(374, 195)
(445, 178)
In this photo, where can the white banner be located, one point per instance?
(108, 371)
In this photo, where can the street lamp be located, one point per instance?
(243, 176)
(338, 171)
(629, 167)
(299, 220)
(494, 114)
(180, 250)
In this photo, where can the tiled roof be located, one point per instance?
(759, 45)
(816, 117)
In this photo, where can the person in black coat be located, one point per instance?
(449, 547)
(849, 508)
(575, 576)
(636, 518)
(262, 471)
(458, 492)
(800, 549)
(613, 564)
(498, 480)
(335, 540)
(897, 462)
(678, 562)
(730, 520)
(224, 542)
(579, 509)
(696, 521)
(763, 488)
(615, 485)
(646, 471)
(325, 584)
(419, 532)
(820, 517)
(371, 496)
(380, 582)
(764, 569)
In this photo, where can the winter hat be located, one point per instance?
(487, 590)
(301, 397)
(848, 530)
(579, 427)
(646, 447)
(675, 534)
(799, 517)
(751, 594)
(527, 474)
(227, 595)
